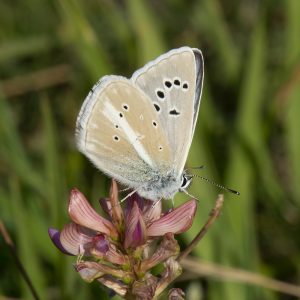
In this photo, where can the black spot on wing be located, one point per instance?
(157, 107)
(174, 112)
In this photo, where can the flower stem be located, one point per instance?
(19, 264)
(212, 217)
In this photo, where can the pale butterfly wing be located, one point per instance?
(174, 83)
(118, 129)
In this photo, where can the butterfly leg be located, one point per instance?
(155, 203)
(130, 194)
(124, 190)
(190, 195)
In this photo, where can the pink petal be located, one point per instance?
(115, 257)
(74, 238)
(135, 234)
(90, 270)
(102, 249)
(177, 294)
(151, 211)
(100, 243)
(106, 206)
(130, 202)
(172, 270)
(177, 221)
(114, 284)
(167, 248)
(145, 289)
(117, 212)
(55, 238)
(83, 214)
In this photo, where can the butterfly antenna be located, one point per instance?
(124, 190)
(196, 168)
(216, 184)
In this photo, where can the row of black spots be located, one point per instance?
(154, 123)
(115, 137)
(121, 115)
(176, 82)
(125, 107)
(184, 85)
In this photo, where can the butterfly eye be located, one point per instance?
(185, 182)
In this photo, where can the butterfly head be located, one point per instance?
(186, 180)
(165, 186)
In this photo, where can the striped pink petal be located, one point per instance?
(177, 221)
(74, 238)
(117, 212)
(83, 214)
(151, 211)
(54, 235)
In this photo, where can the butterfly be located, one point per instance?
(139, 130)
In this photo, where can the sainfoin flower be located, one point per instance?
(121, 249)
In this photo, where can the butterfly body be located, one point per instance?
(139, 130)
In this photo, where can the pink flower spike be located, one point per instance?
(83, 214)
(135, 234)
(177, 221)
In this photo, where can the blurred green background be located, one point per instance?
(247, 136)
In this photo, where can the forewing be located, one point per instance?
(119, 131)
(174, 83)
